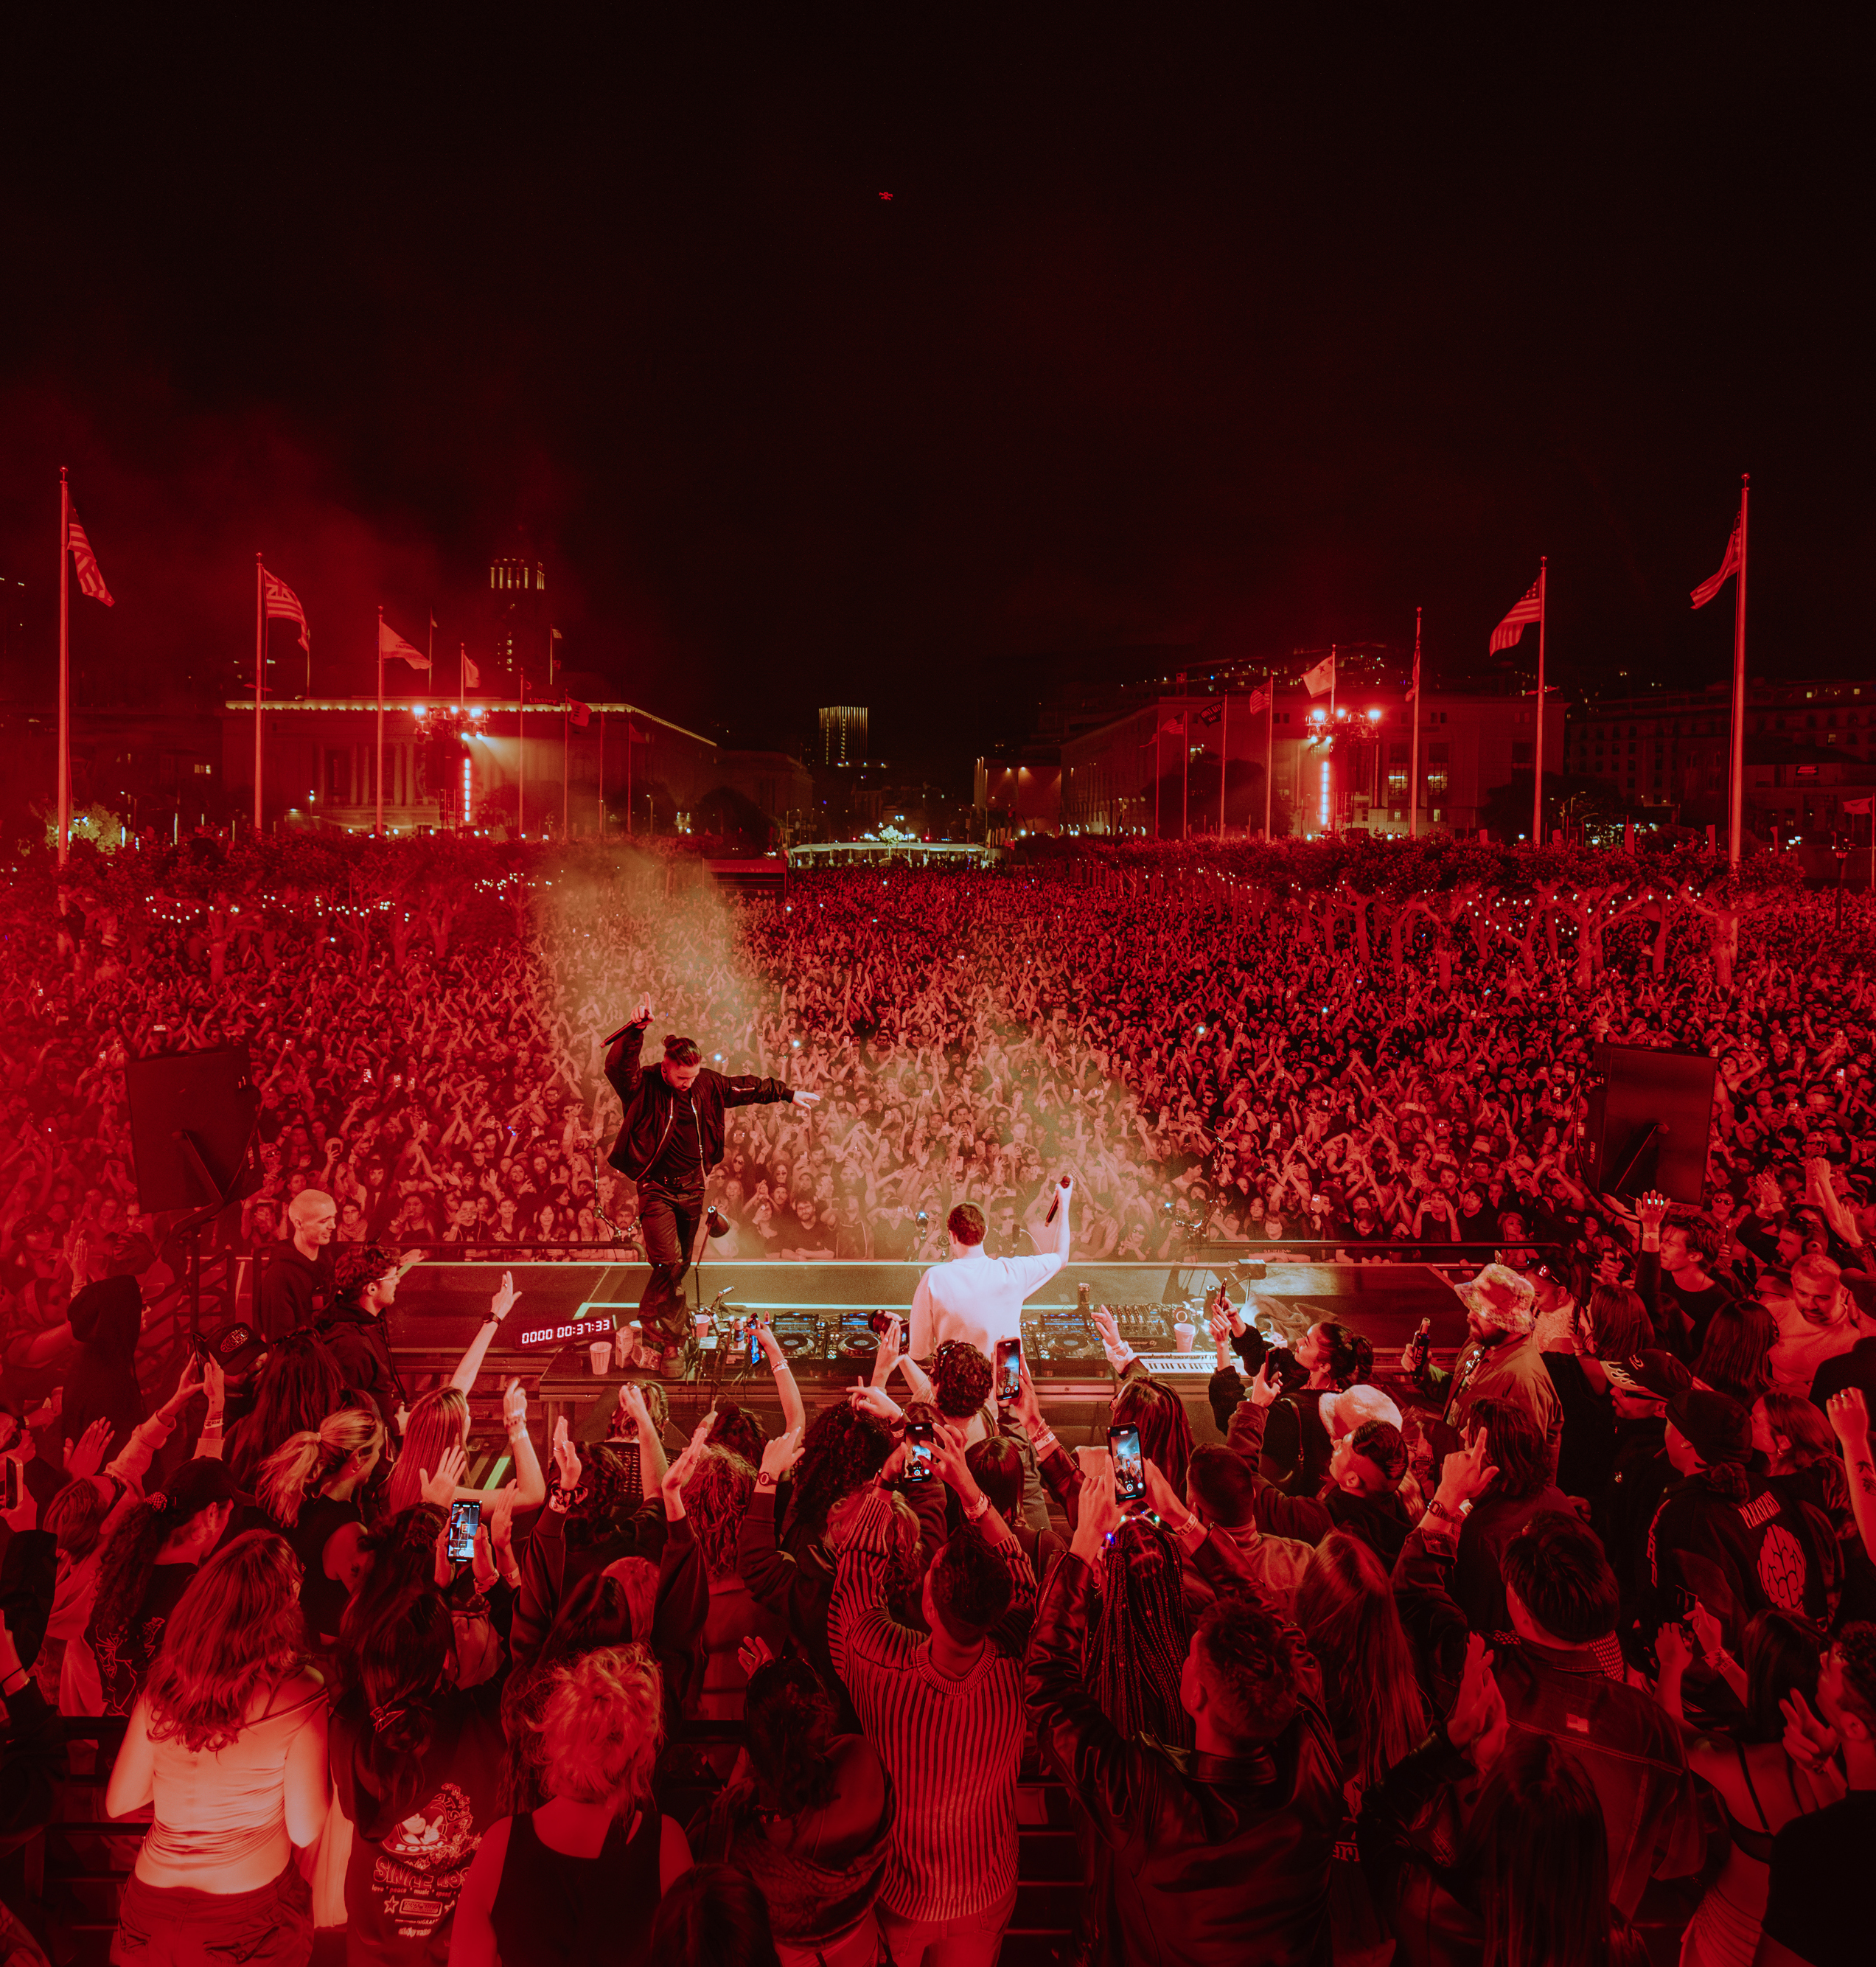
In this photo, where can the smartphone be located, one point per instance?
(919, 1436)
(1123, 1445)
(756, 1354)
(1009, 1368)
(465, 1521)
(9, 1483)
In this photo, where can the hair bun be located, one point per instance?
(672, 1041)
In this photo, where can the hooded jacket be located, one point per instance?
(106, 1318)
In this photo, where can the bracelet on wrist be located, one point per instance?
(976, 1512)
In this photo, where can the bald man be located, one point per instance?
(296, 1276)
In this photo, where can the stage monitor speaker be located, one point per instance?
(193, 1127)
(1650, 1119)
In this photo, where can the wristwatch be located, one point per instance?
(1437, 1508)
(765, 1479)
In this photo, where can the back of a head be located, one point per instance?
(788, 1722)
(1736, 1351)
(1538, 1848)
(995, 1464)
(1517, 1448)
(1345, 1609)
(1220, 1479)
(603, 1609)
(842, 1450)
(285, 1479)
(1557, 1566)
(601, 1728)
(74, 1517)
(439, 1421)
(971, 1587)
(1140, 1636)
(358, 1264)
(715, 1499)
(1165, 1431)
(961, 1379)
(1350, 1357)
(236, 1631)
(1248, 1670)
(1812, 1437)
(1781, 1658)
(1619, 1325)
(395, 1649)
(966, 1223)
(299, 1386)
(739, 1430)
(714, 1916)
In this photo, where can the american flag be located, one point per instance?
(1531, 608)
(90, 579)
(282, 604)
(1728, 568)
(1260, 700)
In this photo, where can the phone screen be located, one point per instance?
(465, 1521)
(1009, 1368)
(918, 1451)
(1123, 1445)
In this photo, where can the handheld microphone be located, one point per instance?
(1055, 1201)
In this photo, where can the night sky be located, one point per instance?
(1214, 337)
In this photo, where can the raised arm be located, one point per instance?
(794, 1408)
(463, 1378)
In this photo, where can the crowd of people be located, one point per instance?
(1562, 1651)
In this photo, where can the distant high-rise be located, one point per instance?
(843, 733)
(518, 595)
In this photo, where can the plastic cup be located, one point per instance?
(1184, 1331)
(601, 1351)
(700, 1326)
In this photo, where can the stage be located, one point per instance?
(820, 1309)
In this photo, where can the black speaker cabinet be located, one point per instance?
(1650, 1119)
(193, 1126)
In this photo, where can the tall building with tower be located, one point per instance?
(843, 733)
(518, 596)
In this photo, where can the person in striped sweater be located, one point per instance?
(944, 1713)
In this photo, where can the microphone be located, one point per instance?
(718, 1223)
(1055, 1201)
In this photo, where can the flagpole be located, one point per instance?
(1735, 798)
(261, 672)
(1158, 770)
(520, 753)
(1270, 749)
(1185, 760)
(1537, 753)
(628, 771)
(1224, 760)
(377, 827)
(65, 670)
(567, 764)
(1328, 757)
(602, 773)
(1414, 765)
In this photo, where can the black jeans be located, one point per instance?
(670, 1224)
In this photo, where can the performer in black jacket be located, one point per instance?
(671, 1138)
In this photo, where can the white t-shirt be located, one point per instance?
(974, 1298)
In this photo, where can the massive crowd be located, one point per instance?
(1561, 1652)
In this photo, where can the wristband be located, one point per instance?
(976, 1512)
(1191, 1528)
(1043, 1443)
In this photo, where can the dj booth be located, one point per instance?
(821, 1312)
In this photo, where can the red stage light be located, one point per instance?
(886, 197)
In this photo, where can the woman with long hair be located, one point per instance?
(1345, 1609)
(300, 1385)
(228, 1741)
(1137, 1644)
(416, 1763)
(716, 1496)
(1760, 1787)
(1735, 1356)
(808, 1815)
(578, 1881)
(1296, 1446)
(1613, 1324)
(148, 1562)
(438, 1427)
(310, 1487)
(714, 1917)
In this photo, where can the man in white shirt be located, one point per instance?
(976, 1298)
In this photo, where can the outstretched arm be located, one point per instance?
(463, 1378)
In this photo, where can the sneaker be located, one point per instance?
(672, 1364)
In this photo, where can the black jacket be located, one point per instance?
(652, 1106)
(1216, 1857)
(362, 1347)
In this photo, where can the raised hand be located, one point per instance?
(1672, 1648)
(85, 1456)
(754, 1654)
(1025, 1406)
(678, 1473)
(1098, 1514)
(947, 1456)
(781, 1454)
(1478, 1724)
(1709, 1635)
(865, 1399)
(1168, 1506)
(1466, 1473)
(439, 1490)
(1651, 1212)
(633, 1401)
(1262, 1392)
(566, 1457)
(191, 1382)
(1848, 1414)
(514, 1404)
(1808, 1740)
(502, 1303)
(802, 1098)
